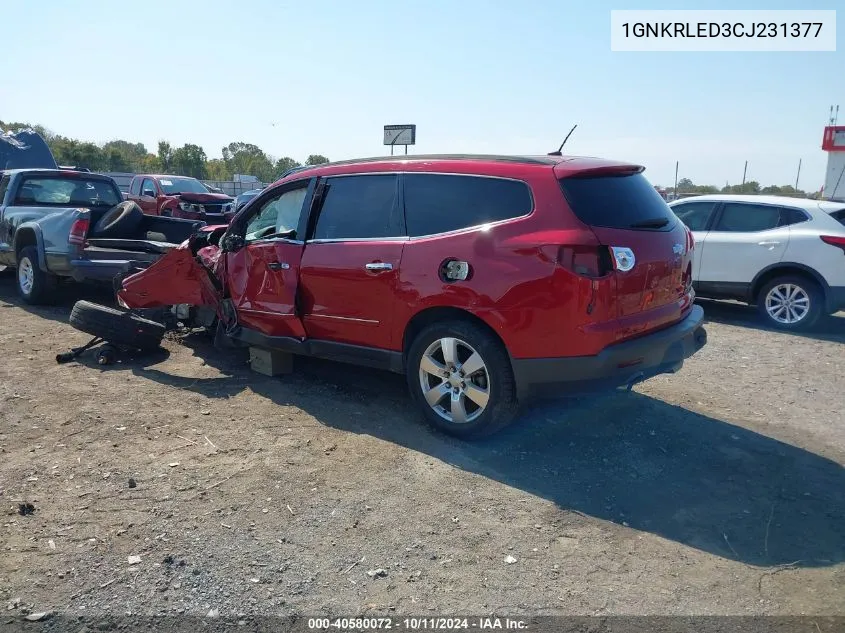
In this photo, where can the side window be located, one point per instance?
(745, 218)
(279, 214)
(147, 187)
(4, 185)
(695, 215)
(360, 207)
(789, 215)
(135, 187)
(436, 203)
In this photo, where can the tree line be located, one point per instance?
(188, 160)
(686, 186)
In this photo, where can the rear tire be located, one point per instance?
(35, 286)
(791, 303)
(472, 404)
(116, 327)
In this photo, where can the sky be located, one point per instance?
(477, 76)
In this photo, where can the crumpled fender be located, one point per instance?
(177, 277)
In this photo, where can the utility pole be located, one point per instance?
(798, 175)
(676, 179)
(744, 171)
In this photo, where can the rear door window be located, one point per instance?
(439, 203)
(696, 215)
(360, 207)
(739, 217)
(617, 201)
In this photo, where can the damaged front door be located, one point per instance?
(263, 274)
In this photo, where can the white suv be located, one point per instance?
(786, 255)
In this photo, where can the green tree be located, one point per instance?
(316, 159)
(248, 159)
(165, 155)
(123, 156)
(750, 187)
(283, 164)
(216, 169)
(189, 160)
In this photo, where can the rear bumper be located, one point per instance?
(662, 352)
(836, 299)
(102, 270)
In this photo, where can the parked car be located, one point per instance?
(784, 255)
(245, 197)
(61, 224)
(180, 197)
(488, 281)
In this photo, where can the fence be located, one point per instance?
(229, 187)
(683, 194)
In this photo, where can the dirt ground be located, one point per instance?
(719, 490)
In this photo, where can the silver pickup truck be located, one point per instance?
(60, 224)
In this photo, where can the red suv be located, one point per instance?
(488, 280)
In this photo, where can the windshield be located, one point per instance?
(173, 186)
(68, 191)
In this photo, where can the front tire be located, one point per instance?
(791, 303)
(461, 377)
(35, 286)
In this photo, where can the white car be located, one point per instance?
(784, 255)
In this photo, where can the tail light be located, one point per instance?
(834, 240)
(586, 261)
(78, 231)
(690, 240)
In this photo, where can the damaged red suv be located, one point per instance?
(488, 281)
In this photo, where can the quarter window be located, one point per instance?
(745, 218)
(789, 215)
(4, 185)
(438, 203)
(360, 207)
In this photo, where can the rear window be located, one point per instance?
(67, 191)
(439, 203)
(623, 201)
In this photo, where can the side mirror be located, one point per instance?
(230, 243)
(150, 193)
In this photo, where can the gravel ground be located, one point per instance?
(185, 484)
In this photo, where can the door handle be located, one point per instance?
(768, 243)
(378, 266)
(278, 266)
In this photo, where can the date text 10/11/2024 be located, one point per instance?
(415, 624)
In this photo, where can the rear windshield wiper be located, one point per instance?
(651, 223)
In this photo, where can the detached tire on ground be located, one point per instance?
(792, 303)
(460, 375)
(115, 326)
(121, 221)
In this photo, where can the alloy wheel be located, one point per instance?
(455, 381)
(26, 276)
(787, 303)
